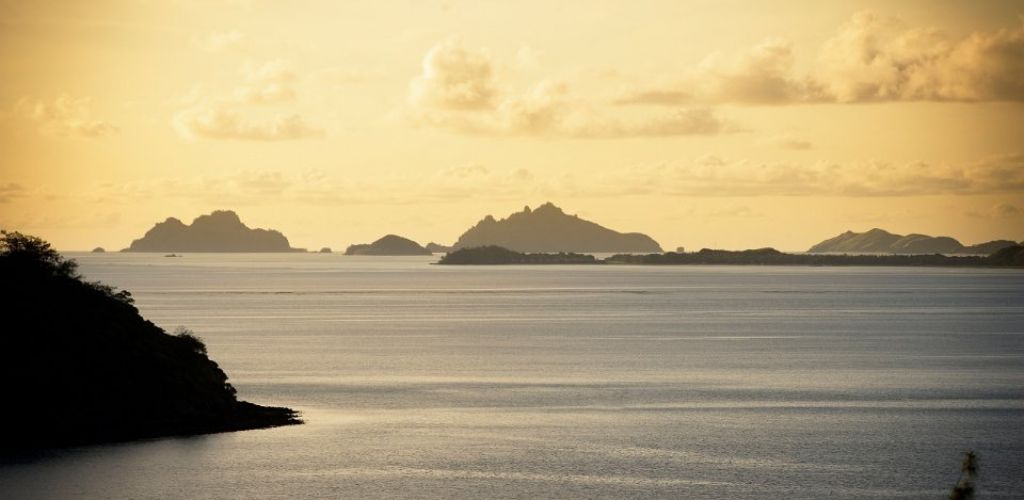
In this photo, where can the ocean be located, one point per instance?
(425, 381)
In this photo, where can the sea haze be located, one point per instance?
(426, 381)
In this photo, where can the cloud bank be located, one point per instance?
(64, 116)
(215, 123)
(458, 90)
(871, 58)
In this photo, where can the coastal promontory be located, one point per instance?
(548, 229)
(79, 365)
(220, 231)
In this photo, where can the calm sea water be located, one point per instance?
(422, 381)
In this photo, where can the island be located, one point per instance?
(879, 241)
(388, 245)
(548, 229)
(437, 248)
(326, 250)
(98, 250)
(493, 255)
(81, 366)
(220, 231)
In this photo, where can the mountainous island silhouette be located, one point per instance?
(388, 245)
(220, 231)
(881, 241)
(79, 365)
(548, 229)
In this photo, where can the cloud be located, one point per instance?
(274, 71)
(217, 123)
(458, 91)
(659, 97)
(10, 191)
(338, 76)
(271, 93)
(455, 77)
(313, 187)
(269, 83)
(874, 58)
(64, 116)
(871, 58)
(787, 141)
(712, 176)
(1000, 211)
(223, 117)
(221, 42)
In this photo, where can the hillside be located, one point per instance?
(79, 365)
(548, 229)
(883, 242)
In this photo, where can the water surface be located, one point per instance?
(424, 381)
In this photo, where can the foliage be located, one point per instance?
(22, 253)
(190, 339)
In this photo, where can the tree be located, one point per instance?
(964, 489)
(32, 253)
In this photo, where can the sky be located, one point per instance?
(724, 124)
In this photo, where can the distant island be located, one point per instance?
(388, 245)
(220, 231)
(437, 248)
(498, 255)
(879, 241)
(548, 229)
(491, 255)
(81, 366)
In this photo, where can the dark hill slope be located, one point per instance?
(79, 365)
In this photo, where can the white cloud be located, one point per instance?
(218, 123)
(876, 58)
(458, 91)
(65, 116)
(454, 77)
(870, 58)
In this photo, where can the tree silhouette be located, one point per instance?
(964, 489)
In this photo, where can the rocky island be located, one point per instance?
(879, 241)
(388, 245)
(548, 229)
(79, 365)
(220, 231)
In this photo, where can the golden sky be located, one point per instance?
(727, 124)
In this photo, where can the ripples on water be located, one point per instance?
(426, 381)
